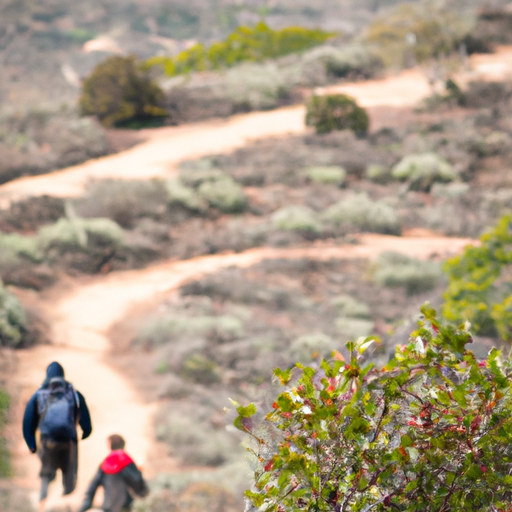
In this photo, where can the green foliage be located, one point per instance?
(336, 112)
(119, 92)
(5, 463)
(223, 193)
(179, 194)
(13, 320)
(76, 234)
(422, 170)
(200, 369)
(14, 246)
(429, 432)
(328, 174)
(244, 44)
(480, 288)
(295, 218)
(360, 211)
(438, 31)
(347, 306)
(398, 270)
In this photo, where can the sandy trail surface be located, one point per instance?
(81, 312)
(164, 148)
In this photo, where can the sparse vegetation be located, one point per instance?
(245, 44)
(328, 175)
(336, 112)
(5, 462)
(360, 212)
(13, 322)
(296, 218)
(120, 93)
(397, 270)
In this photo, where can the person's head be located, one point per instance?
(116, 442)
(54, 370)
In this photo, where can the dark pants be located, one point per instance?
(61, 455)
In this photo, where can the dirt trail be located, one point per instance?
(164, 148)
(81, 313)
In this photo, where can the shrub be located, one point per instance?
(349, 307)
(13, 320)
(124, 201)
(329, 175)
(224, 194)
(201, 370)
(13, 246)
(378, 174)
(360, 211)
(422, 170)
(76, 234)
(244, 44)
(295, 218)
(479, 283)
(430, 431)
(312, 347)
(353, 328)
(184, 196)
(5, 462)
(119, 93)
(400, 271)
(336, 112)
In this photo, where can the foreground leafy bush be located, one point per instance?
(336, 112)
(360, 211)
(397, 270)
(244, 44)
(430, 432)
(118, 92)
(421, 171)
(5, 463)
(479, 287)
(13, 320)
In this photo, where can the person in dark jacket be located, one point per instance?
(120, 479)
(54, 410)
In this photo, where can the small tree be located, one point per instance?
(336, 112)
(431, 431)
(119, 92)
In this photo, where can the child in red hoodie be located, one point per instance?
(119, 477)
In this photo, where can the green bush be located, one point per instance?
(479, 283)
(119, 92)
(244, 44)
(179, 194)
(14, 246)
(76, 234)
(349, 328)
(329, 175)
(422, 170)
(5, 462)
(295, 218)
(396, 270)
(223, 193)
(378, 174)
(13, 320)
(201, 370)
(360, 211)
(336, 112)
(311, 347)
(349, 307)
(123, 201)
(429, 432)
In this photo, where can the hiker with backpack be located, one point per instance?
(54, 410)
(119, 477)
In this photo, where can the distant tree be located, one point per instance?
(480, 283)
(429, 432)
(120, 92)
(336, 112)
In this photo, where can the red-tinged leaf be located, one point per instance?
(269, 465)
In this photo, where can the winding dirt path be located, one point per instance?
(164, 148)
(81, 313)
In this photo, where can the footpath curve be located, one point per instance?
(80, 314)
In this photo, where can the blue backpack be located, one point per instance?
(57, 406)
